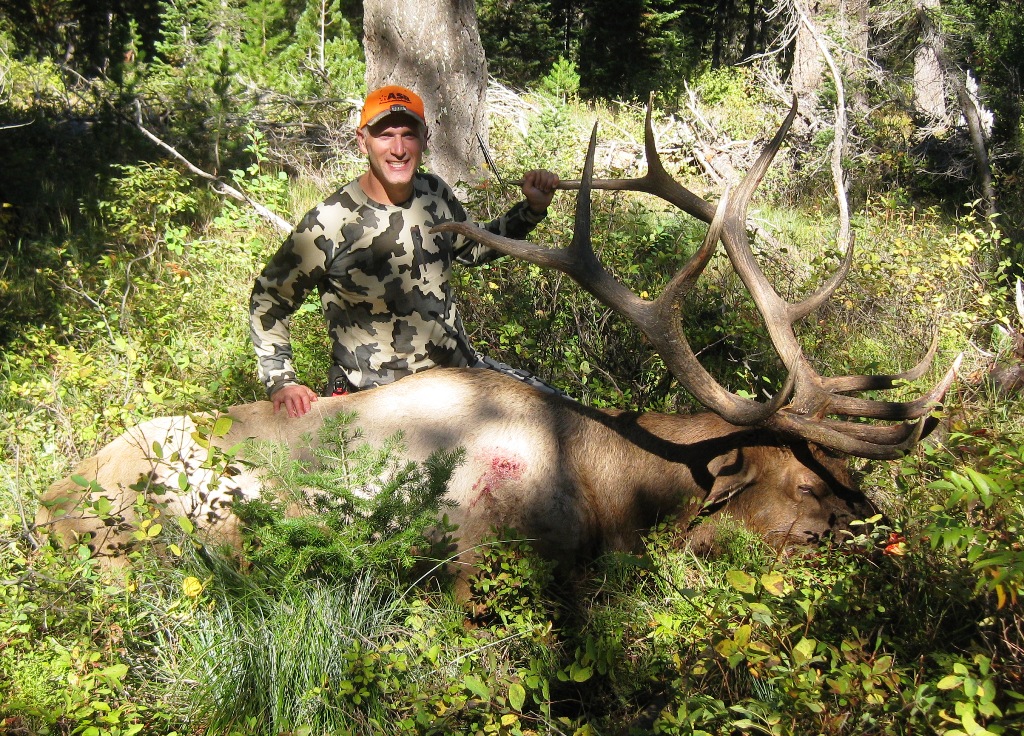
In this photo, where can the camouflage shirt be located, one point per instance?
(384, 284)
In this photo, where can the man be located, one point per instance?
(383, 278)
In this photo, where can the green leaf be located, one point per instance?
(580, 674)
(516, 696)
(222, 426)
(804, 651)
(740, 581)
(476, 686)
(949, 682)
(115, 671)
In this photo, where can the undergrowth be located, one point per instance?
(326, 625)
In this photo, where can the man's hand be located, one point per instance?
(538, 189)
(295, 398)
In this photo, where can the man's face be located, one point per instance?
(394, 148)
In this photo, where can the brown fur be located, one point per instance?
(574, 479)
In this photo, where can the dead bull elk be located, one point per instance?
(575, 479)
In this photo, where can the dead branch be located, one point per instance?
(219, 186)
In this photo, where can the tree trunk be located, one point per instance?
(856, 13)
(975, 129)
(929, 82)
(433, 47)
(940, 69)
(808, 70)
(755, 29)
(723, 12)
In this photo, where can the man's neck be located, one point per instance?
(376, 190)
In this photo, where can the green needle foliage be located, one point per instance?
(353, 508)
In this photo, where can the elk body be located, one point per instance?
(574, 479)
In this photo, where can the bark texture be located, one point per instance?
(929, 81)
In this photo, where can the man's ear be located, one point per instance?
(361, 139)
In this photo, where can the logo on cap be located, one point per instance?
(391, 99)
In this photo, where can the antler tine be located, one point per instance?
(764, 160)
(852, 406)
(872, 441)
(801, 309)
(657, 180)
(840, 384)
(773, 308)
(686, 277)
(893, 442)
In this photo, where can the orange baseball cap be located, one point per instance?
(391, 99)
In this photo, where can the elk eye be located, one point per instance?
(806, 489)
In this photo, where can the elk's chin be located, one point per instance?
(785, 540)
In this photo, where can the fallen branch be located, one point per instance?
(219, 186)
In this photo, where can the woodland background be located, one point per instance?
(135, 138)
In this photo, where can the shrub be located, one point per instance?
(354, 509)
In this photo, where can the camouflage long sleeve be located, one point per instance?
(383, 280)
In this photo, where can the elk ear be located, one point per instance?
(731, 477)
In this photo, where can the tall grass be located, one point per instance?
(285, 661)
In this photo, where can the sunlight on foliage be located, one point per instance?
(340, 616)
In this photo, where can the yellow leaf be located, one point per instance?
(726, 647)
(191, 586)
(774, 583)
(740, 581)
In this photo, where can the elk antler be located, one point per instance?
(805, 400)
